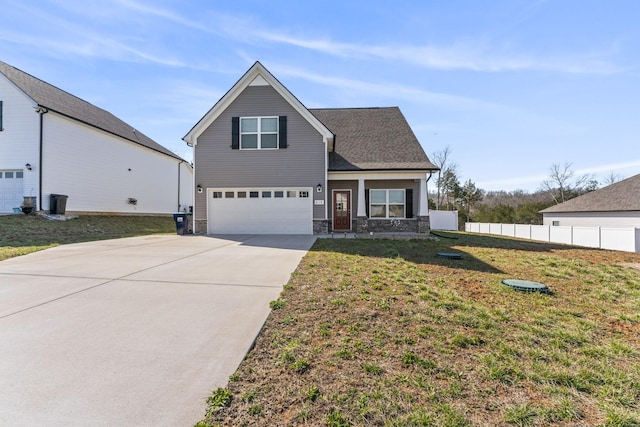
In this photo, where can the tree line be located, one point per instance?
(511, 207)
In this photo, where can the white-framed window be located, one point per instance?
(387, 203)
(259, 133)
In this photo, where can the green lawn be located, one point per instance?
(22, 234)
(384, 333)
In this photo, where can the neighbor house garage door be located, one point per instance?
(11, 190)
(260, 211)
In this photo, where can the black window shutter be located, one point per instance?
(366, 201)
(282, 140)
(408, 196)
(1, 128)
(235, 133)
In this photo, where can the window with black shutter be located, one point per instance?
(259, 133)
(235, 133)
(409, 202)
(282, 140)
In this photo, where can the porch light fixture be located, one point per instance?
(28, 166)
(319, 188)
(199, 188)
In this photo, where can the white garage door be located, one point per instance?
(260, 211)
(11, 190)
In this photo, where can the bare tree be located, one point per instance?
(442, 160)
(563, 185)
(612, 178)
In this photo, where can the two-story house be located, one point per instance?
(52, 142)
(264, 163)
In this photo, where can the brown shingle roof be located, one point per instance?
(372, 139)
(621, 196)
(55, 99)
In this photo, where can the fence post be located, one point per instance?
(600, 237)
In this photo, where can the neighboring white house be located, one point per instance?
(52, 142)
(617, 205)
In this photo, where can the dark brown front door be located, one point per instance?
(341, 210)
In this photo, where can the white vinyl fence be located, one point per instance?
(619, 239)
(443, 220)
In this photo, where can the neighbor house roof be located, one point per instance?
(621, 196)
(55, 99)
(372, 139)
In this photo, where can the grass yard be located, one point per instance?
(22, 234)
(384, 333)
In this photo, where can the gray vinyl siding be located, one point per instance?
(371, 184)
(302, 164)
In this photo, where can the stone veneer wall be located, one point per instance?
(320, 226)
(200, 226)
(424, 224)
(360, 225)
(411, 225)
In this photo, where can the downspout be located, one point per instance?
(41, 111)
(181, 162)
(426, 185)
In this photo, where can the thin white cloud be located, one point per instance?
(474, 55)
(163, 13)
(609, 168)
(59, 36)
(388, 90)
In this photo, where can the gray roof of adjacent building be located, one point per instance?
(372, 139)
(620, 196)
(55, 99)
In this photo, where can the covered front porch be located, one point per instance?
(362, 202)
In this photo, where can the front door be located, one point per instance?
(342, 210)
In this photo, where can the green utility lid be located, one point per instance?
(526, 286)
(449, 255)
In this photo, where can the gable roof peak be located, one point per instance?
(256, 73)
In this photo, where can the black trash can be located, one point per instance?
(58, 204)
(181, 222)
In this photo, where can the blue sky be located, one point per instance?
(511, 87)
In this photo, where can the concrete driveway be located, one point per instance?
(133, 332)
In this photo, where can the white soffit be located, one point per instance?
(259, 81)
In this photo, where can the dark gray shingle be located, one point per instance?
(620, 196)
(372, 139)
(55, 99)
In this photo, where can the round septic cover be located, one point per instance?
(449, 255)
(526, 285)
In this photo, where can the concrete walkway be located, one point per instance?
(133, 332)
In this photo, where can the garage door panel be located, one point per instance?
(11, 190)
(260, 215)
